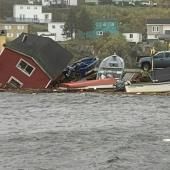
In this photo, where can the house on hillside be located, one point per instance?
(32, 61)
(54, 2)
(102, 27)
(133, 37)
(31, 14)
(92, 2)
(31, 2)
(13, 30)
(157, 28)
(56, 32)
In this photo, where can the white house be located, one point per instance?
(30, 13)
(59, 2)
(72, 2)
(56, 32)
(157, 28)
(133, 37)
(47, 34)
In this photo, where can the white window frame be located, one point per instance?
(15, 79)
(100, 33)
(24, 71)
(155, 28)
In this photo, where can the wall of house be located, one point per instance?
(92, 1)
(72, 2)
(57, 29)
(47, 34)
(133, 37)
(153, 34)
(166, 27)
(2, 42)
(8, 62)
(14, 30)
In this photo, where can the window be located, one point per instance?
(35, 17)
(7, 27)
(25, 67)
(167, 55)
(35, 7)
(18, 34)
(21, 7)
(99, 33)
(22, 16)
(155, 29)
(159, 56)
(62, 26)
(46, 16)
(10, 34)
(112, 24)
(53, 26)
(14, 83)
(131, 36)
(28, 7)
(20, 27)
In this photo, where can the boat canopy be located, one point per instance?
(111, 66)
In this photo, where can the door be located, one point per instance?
(159, 60)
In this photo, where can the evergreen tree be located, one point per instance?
(70, 25)
(84, 22)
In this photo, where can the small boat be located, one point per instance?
(111, 66)
(148, 87)
(91, 84)
(80, 68)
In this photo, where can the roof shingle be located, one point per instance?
(52, 57)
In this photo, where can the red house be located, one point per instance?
(32, 61)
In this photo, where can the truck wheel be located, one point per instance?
(146, 66)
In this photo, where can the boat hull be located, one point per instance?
(148, 87)
(88, 84)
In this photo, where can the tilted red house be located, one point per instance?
(32, 61)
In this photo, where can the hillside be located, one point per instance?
(130, 19)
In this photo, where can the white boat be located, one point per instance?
(148, 87)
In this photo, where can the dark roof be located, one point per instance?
(48, 54)
(158, 21)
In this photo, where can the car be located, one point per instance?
(159, 60)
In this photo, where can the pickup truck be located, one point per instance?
(159, 60)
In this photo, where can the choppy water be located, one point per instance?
(84, 132)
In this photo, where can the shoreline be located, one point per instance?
(101, 91)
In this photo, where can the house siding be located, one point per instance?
(103, 26)
(30, 13)
(8, 62)
(162, 28)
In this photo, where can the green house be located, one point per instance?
(101, 27)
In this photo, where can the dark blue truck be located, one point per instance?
(159, 60)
